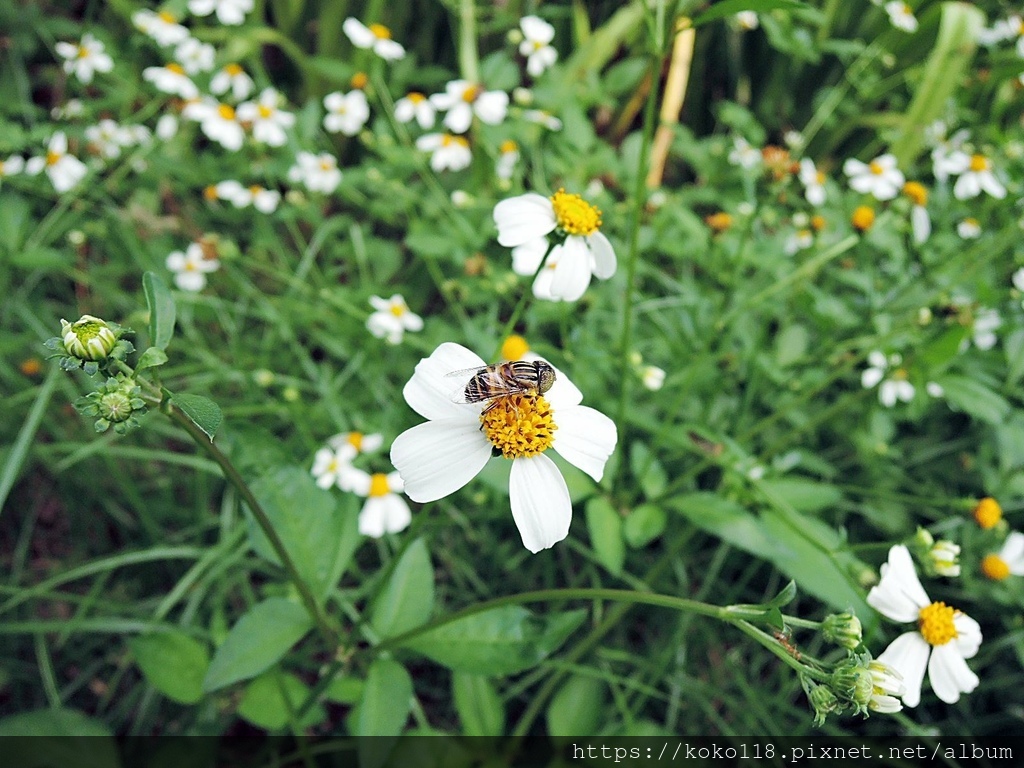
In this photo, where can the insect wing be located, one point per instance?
(481, 375)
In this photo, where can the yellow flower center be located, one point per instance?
(935, 623)
(979, 163)
(52, 158)
(447, 140)
(379, 485)
(915, 191)
(971, 222)
(255, 189)
(83, 52)
(519, 426)
(399, 308)
(234, 70)
(820, 176)
(167, 17)
(210, 192)
(994, 567)
(175, 68)
(326, 165)
(575, 215)
(988, 513)
(863, 217)
(514, 347)
(508, 146)
(416, 98)
(471, 93)
(380, 31)
(359, 80)
(228, 112)
(818, 222)
(876, 168)
(355, 439)
(719, 222)
(264, 111)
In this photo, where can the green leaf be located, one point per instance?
(14, 218)
(203, 412)
(605, 526)
(387, 699)
(974, 398)
(407, 600)
(344, 690)
(802, 495)
(786, 596)
(259, 639)
(161, 310)
(173, 663)
(480, 709)
(71, 739)
(791, 345)
(576, 709)
(732, 7)
(1013, 346)
(318, 531)
(269, 698)
(151, 358)
(44, 258)
(500, 641)
(725, 519)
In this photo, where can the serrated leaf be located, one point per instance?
(257, 641)
(500, 641)
(203, 412)
(269, 698)
(387, 699)
(407, 600)
(577, 707)
(151, 358)
(480, 709)
(605, 527)
(173, 663)
(161, 310)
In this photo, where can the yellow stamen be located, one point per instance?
(175, 68)
(994, 567)
(575, 215)
(210, 192)
(415, 97)
(519, 426)
(514, 347)
(379, 485)
(719, 222)
(380, 31)
(233, 69)
(83, 52)
(264, 111)
(971, 222)
(818, 222)
(979, 163)
(326, 165)
(988, 513)
(863, 217)
(915, 191)
(935, 623)
(820, 176)
(255, 189)
(399, 308)
(52, 158)
(447, 140)
(508, 146)
(226, 111)
(355, 439)
(167, 17)
(359, 80)
(876, 168)
(471, 93)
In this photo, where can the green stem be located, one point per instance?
(469, 60)
(521, 304)
(330, 632)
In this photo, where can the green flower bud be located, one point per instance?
(88, 339)
(116, 403)
(823, 701)
(853, 683)
(843, 629)
(943, 559)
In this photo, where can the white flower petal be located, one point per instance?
(563, 393)
(908, 655)
(604, 255)
(572, 269)
(949, 674)
(429, 391)
(968, 635)
(523, 218)
(585, 438)
(871, 376)
(358, 33)
(437, 458)
(540, 502)
(898, 595)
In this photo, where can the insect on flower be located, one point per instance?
(493, 382)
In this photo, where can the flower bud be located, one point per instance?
(823, 701)
(116, 403)
(943, 559)
(843, 629)
(87, 339)
(853, 682)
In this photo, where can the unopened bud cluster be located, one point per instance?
(116, 403)
(937, 558)
(89, 343)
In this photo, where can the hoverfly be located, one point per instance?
(493, 382)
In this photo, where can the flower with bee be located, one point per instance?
(516, 410)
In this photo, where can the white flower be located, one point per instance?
(384, 511)
(416, 105)
(976, 176)
(1009, 561)
(449, 152)
(190, 267)
(920, 223)
(230, 12)
(969, 229)
(63, 170)
(347, 113)
(879, 178)
(163, 27)
(798, 241)
(934, 389)
(893, 388)
(943, 639)
(171, 79)
(376, 37)
(443, 454)
(462, 99)
(12, 166)
(218, 121)
(901, 16)
(392, 319)
(332, 467)
(813, 181)
(528, 219)
(653, 377)
(194, 56)
(108, 138)
(948, 157)
(536, 44)
(69, 111)
(747, 20)
(319, 173)
(354, 443)
(886, 686)
(986, 321)
(540, 117)
(744, 155)
(507, 159)
(166, 127)
(262, 199)
(84, 59)
(268, 120)
(231, 77)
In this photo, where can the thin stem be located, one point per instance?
(521, 305)
(469, 61)
(330, 632)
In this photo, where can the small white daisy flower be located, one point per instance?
(880, 178)
(901, 16)
(332, 467)
(384, 511)
(536, 44)
(392, 319)
(319, 173)
(969, 229)
(219, 122)
(64, 171)
(194, 56)
(652, 377)
(798, 241)
(268, 120)
(84, 59)
(262, 199)
(71, 109)
(986, 321)
(415, 105)
(943, 639)
(450, 152)
(166, 127)
(107, 138)
(191, 267)
(528, 219)
(230, 12)
(171, 78)
(231, 77)
(163, 27)
(507, 158)
(747, 20)
(892, 389)
(347, 113)
(813, 181)
(375, 37)
(1008, 562)
(462, 99)
(743, 154)
(354, 443)
(975, 176)
(444, 453)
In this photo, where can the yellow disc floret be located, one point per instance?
(915, 191)
(355, 439)
(979, 163)
(379, 485)
(935, 623)
(380, 31)
(863, 217)
(988, 513)
(519, 426)
(994, 567)
(514, 347)
(575, 215)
